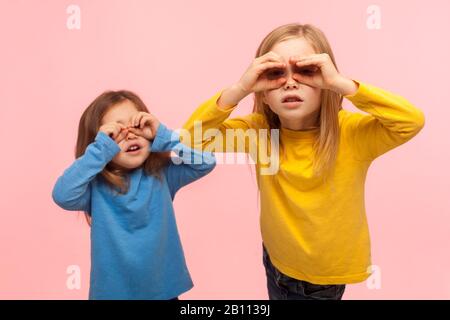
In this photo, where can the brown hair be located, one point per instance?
(88, 127)
(326, 145)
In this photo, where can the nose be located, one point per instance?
(291, 83)
(131, 136)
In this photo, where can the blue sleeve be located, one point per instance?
(188, 165)
(72, 189)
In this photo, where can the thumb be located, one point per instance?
(122, 135)
(275, 84)
(140, 132)
(304, 79)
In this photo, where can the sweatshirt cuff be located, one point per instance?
(108, 145)
(164, 137)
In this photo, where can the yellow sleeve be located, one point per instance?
(210, 129)
(392, 120)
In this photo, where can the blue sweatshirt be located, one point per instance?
(136, 251)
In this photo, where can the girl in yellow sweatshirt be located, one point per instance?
(313, 221)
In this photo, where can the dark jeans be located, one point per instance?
(283, 287)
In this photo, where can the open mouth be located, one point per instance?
(133, 148)
(292, 99)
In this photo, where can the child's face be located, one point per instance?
(297, 115)
(123, 113)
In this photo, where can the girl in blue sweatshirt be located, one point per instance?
(125, 180)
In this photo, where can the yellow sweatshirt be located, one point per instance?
(314, 230)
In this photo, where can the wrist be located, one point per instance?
(345, 86)
(232, 96)
(241, 90)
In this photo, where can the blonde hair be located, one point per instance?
(88, 127)
(326, 146)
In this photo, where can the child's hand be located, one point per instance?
(115, 130)
(145, 125)
(255, 79)
(318, 71)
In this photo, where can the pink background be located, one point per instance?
(176, 54)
